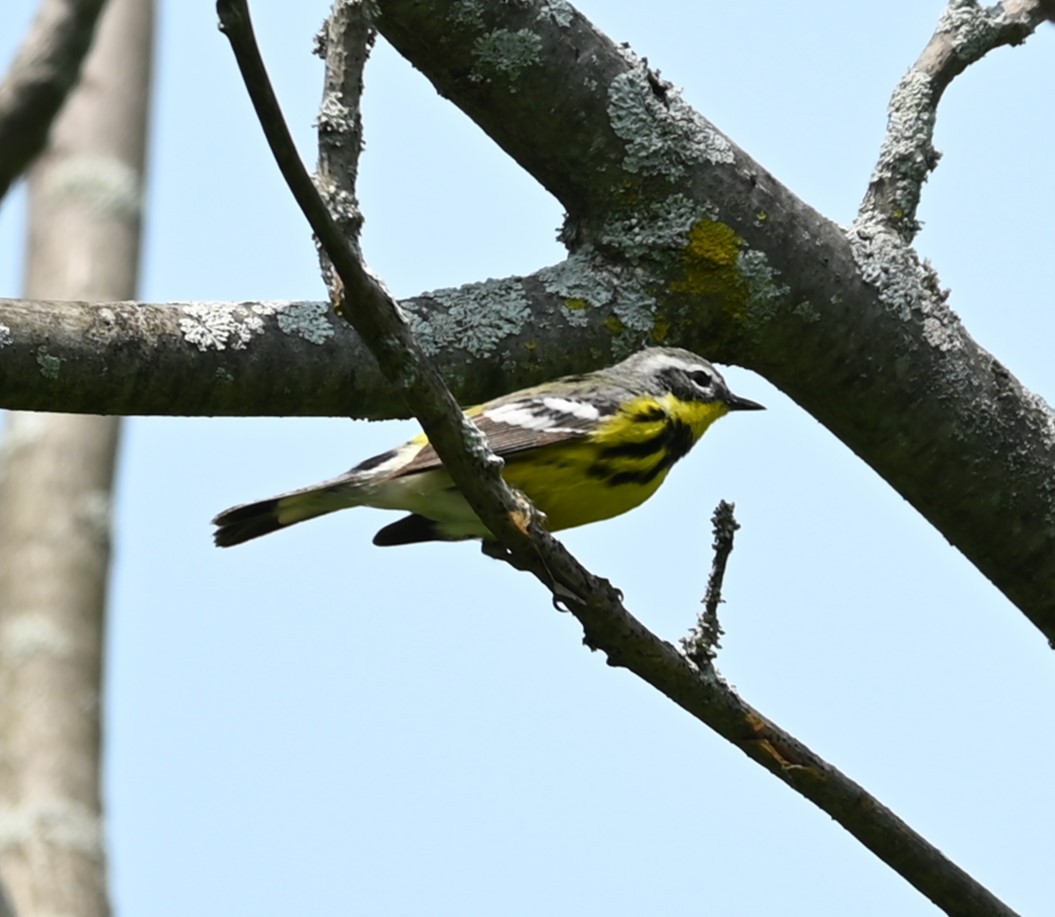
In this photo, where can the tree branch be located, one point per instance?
(344, 43)
(234, 358)
(763, 279)
(606, 623)
(55, 513)
(704, 640)
(965, 33)
(770, 284)
(375, 315)
(43, 73)
(679, 237)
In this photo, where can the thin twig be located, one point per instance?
(704, 640)
(595, 603)
(344, 42)
(376, 317)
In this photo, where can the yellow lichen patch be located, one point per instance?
(614, 325)
(710, 262)
(576, 305)
(712, 241)
(661, 329)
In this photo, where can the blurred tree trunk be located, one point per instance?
(56, 475)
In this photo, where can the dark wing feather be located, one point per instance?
(498, 421)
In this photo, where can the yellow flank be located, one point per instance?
(614, 470)
(574, 482)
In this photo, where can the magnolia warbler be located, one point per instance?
(582, 448)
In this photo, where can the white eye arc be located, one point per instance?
(702, 378)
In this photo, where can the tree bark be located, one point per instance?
(40, 78)
(85, 196)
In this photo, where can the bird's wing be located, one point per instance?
(520, 423)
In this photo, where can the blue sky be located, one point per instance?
(312, 725)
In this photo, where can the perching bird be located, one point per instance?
(583, 448)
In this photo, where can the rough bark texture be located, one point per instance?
(41, 76)
(677, 236)
(55, 495)
(848, 323)
(523, 541)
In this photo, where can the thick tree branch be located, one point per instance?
(607, 625)
(43, 73)
(771, 284)
(679, 236)
(56, 491)
(235, 358)
(762, 279)
(965, 33)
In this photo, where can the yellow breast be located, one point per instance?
(619, 467)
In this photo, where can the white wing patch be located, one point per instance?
(544, 414)
(520, 414)
(581, 409)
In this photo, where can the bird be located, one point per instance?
(582, 448)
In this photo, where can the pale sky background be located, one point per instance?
(312, 725)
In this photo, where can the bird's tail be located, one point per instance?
(251, 520)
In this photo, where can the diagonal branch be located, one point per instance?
(769, 283)
(679, 236)
(607, 624)
(366, 305)
(43, 73)
(965, 33)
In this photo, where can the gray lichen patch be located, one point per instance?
(219, 326)
(581, 281)
(308, 320)
(906, 287)
(663, 137)
(505, 54)
(467, 13)
(970, 29)
(587, 283)
(906, 154)
(889, 265)
(662, 226)
(50, 365)
(558, 12)
(635, 315)
(5, 335)
(334, 116)
(475, 317)
(765, 291)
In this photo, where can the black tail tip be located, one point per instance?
(243, 523)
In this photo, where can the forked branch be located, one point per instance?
(596, 604)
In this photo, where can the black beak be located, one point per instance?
(736, 403)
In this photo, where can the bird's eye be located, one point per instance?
(702, 378)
